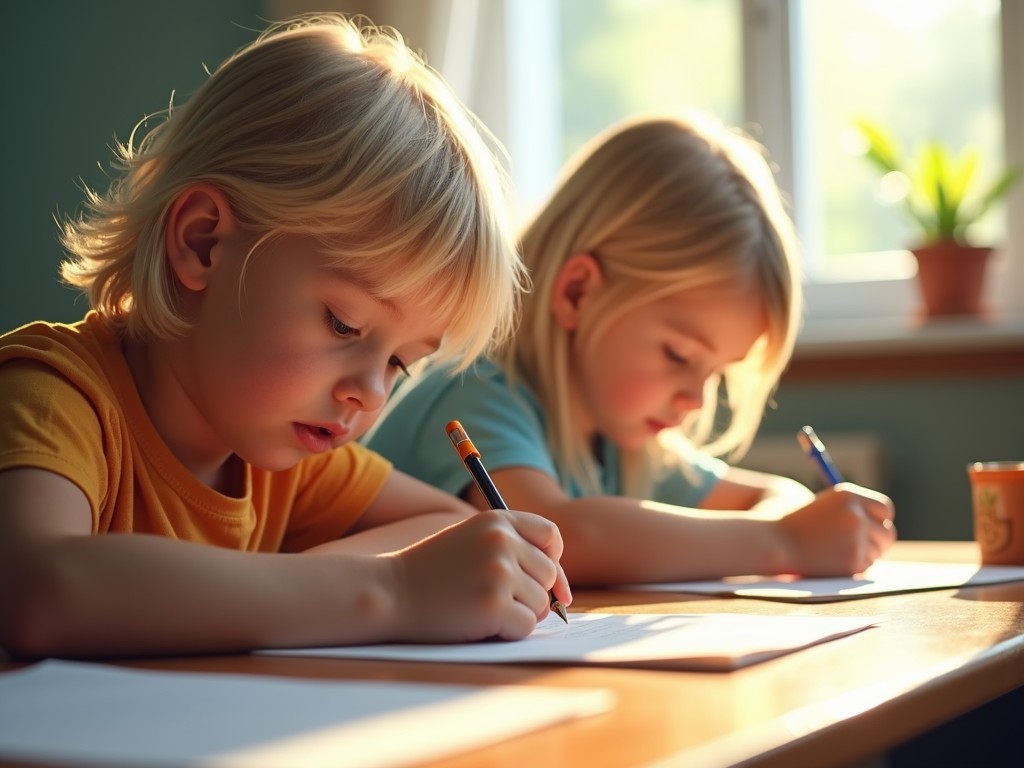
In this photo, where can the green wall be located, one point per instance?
(76, 73)
(931, 428)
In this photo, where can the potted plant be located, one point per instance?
(939, 196)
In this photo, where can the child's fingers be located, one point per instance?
(539, 531)
(881, 510)
(543, 565)
(532, 595)
(561, 587)
(517, 620)
(543, 574)
(884, 534)
(876, 505)
(877, 510)
(486, 576)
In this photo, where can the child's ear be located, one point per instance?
(199, 219)
(579, 276)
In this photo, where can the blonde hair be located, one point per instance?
(326, 126)
(665, 204)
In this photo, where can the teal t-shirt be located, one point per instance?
(507, 425)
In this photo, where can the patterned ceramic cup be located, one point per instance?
(997, 490)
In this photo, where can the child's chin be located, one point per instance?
(280, 461)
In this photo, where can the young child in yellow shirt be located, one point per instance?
(274, 254)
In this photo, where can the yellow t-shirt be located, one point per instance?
(76, 412)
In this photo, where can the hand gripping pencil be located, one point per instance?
(471, 457)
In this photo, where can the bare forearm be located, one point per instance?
(763, 495)
(128, 595)
(611, 540)
(393, 536)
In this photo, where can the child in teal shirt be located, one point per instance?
(665, 283)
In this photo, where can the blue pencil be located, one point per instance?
(816, 450)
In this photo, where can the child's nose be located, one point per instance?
(690, 390)
(686, 400)
(365, 389)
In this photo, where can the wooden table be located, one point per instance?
(935, 656)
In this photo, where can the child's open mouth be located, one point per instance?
(316, 438)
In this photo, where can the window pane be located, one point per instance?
(622, 57)
(922, 68)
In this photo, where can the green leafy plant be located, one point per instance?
(939, 194)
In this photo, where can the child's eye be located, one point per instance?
(343, 329)
(675, 357)
(395, 362)
(338, 327)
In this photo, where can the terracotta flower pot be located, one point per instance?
(951, 277)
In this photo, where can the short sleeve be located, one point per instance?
(49, 423)
(688, 484)
(503, 423)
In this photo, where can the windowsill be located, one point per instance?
(882, 347)
(897, 335)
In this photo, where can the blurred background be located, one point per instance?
(904, 406)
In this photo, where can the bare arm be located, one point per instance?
(405, 511)
(757, 492)
(64, 592)
(611, 539)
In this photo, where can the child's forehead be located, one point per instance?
(424, 299)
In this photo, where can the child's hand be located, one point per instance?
(487, 576)
(843, 531)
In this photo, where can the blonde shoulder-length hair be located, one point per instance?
(327, 126)
(665, 204)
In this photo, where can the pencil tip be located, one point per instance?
(557, 607)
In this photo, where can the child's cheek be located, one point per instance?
(631, 391)
(363, 422)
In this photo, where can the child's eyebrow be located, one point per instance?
(386, 304)
(681, 328)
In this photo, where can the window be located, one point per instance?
(795, 73)
(924, 69)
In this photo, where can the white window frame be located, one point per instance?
(770, 100)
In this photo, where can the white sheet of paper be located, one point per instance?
(91, 714)
(664, 641)
(883, 578)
